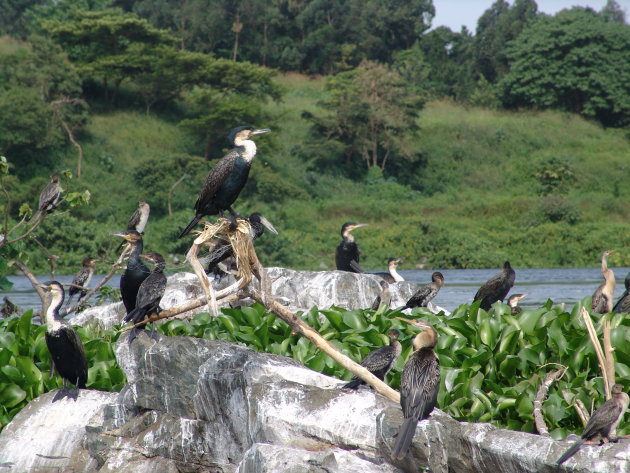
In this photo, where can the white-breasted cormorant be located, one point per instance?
(228, 176)
(603, 421)
(391, 276)
(149, 294)
(138, 220)
(513, 303)
(222, 250)
(135, 272)
(50, 197)
(82, 278)
(348, 255)
(379, 361)
(65, 346)
(426, 293)
(419, 385)
(496, 288)
(602, 300)
(623, 304)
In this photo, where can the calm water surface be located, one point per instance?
(567, 285)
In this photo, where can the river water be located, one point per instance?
(561, 285)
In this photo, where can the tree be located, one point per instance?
(373, 114)
(574, 61)
(613, 12)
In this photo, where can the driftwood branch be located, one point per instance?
(539, 419)
(592, 333)
(578, 405)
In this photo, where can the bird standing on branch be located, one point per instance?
(50, 197)
(380, 361)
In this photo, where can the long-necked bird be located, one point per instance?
(347, 255)
(50, 197)
(496, 288)
(82, 278)
(426, 293)
(602, 300)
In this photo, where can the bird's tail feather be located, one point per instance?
(405, 436)
(190, 226)
(353, 384)
(130, 315)
(570, 452)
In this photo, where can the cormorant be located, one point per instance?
(348, 255)
(623, 304)
(82, 278)
(135, 272)
(419, 385)
(222, 249)
(602, 299)
(50, 197)
(139, 218)
(496, 288)
(228, 176)
(65, 346)
(513, 303)
(392, 276)
(426, 293)
(379, 361)
(603, 421)
(149, 295)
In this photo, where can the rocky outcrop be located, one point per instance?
(194, 405)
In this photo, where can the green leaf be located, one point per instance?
(529, 319)
(355, 319)
(11, 395)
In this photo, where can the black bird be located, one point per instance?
(496, 288)
(50, 197)
(603, 421)
(139, 218)
(8, 308)
(222, 251)
(82, 278)
(391, 276)
(419, 385)
(426, 293)
(348, 255)
(65, 346)
(379, 361)
(149, 295)
(135, 272)
(623, 304)
(602, 300)
(228, 176)
(513, 303)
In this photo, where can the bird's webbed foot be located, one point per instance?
(71, 393)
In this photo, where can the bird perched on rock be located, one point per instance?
(135, 272)
(65, 346)
(149, 295)
(623, 304)
(222, 251)
(380, 361)
(82, 278)
(603, 421)
(348, 255)
(496, 288)
(392, 276)
(228, 176)
(50, 197)
(513, 303)
(139, 218)
(426, 293)
(419, 385)
(602, 299)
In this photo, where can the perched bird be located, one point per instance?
(8, 308)
(222, 251)
(623, 304)
(385, 297)
(392, 276)
(496, 288)
(513, 303)
(602, 299)
(603, 421)
(379, 361)
(228, 176)
(149, 294)
(50, 197)
(348, 255)
(82, 278)
(139, 218)
(419, 385)
(426, 293)
(135, 272)
(65, 346)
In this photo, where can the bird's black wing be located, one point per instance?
(68, 355)
(420, 384)
(379, 361)
(79, 279)
(491, 286)
(48, 196)
(134, 220)
(602, 419)
(151, 290)
(215, 178)
(421, 297)
(599, 300)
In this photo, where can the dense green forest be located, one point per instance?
(459, 150)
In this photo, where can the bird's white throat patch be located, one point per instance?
(250, 149)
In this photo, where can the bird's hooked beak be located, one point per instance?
(268, 225)
(260, 132)
(417, 323)
(359, 225)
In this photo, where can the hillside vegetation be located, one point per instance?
(541, 189)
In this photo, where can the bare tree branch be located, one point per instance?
(539, 419)
(592, 333)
